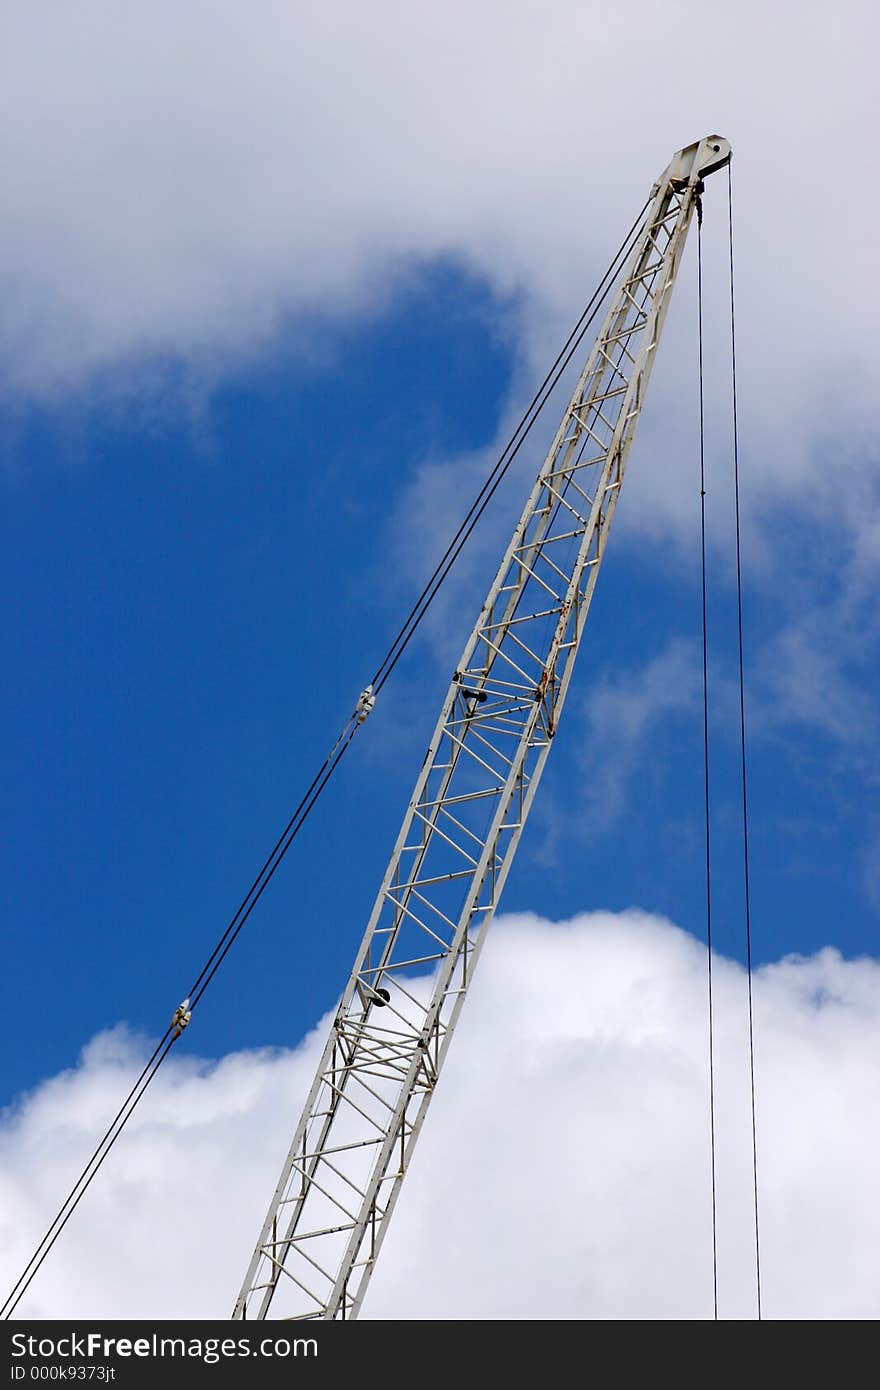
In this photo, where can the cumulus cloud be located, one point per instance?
(634, 704)
(814, 670)
(627, 725)
(181, 180)
(563, 1171)
(186, 183)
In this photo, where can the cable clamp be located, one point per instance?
(364, 706)
(699, 190)
(181, 1017)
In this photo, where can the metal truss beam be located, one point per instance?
(354, 1142)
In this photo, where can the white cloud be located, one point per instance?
(622, 712)
(563, 1171)
(180, 178)
(184, 181)
(628, 724)
(815, 670)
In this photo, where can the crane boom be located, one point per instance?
(342, 1176)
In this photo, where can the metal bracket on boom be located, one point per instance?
(478, 696)
(698, 161)
(373, 995)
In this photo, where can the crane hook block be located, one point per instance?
(181, 1017)
(364, 706)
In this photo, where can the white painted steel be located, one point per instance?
(354, 1141)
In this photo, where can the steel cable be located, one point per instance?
(326, 770)
(706, 757)
(742, 737)
(505, 459)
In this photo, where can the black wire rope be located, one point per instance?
(706, 756)
(171, 1034)
(325, 772)
(742, 742)
(71, 1202)
(505, 459)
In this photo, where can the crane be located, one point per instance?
(354, 1142)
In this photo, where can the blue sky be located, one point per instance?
(197, 601)
(198, 604)
(277, 289)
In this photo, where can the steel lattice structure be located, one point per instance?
(353, 1144)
